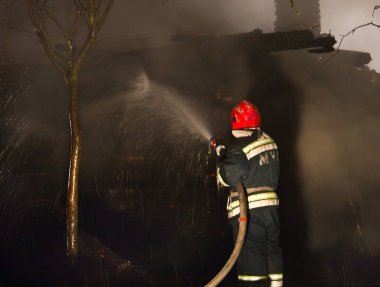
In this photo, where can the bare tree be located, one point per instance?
(90, 16)
(352, 31)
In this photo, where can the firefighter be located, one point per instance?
(252, 158)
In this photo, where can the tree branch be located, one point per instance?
(105, 14)
(98, 7)
(299, 16)
(39, 26)
(375, 8)
(80, 8)
(352, 31)
(95, 26)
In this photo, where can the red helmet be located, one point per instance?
(245, 115)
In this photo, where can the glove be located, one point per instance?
(220, 150)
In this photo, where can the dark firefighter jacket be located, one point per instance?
(253, 160)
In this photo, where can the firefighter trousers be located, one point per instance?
(261, 255)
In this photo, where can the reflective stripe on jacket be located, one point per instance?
(254, 201)
(254, 161)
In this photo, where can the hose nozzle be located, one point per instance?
(213, 143)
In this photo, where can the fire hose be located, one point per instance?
(241, 234)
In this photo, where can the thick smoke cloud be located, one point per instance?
(337, 154)
(162, 18)
(136, 23)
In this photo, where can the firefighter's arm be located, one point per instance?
(234, 167)
(220, 151)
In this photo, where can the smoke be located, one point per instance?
(337, 154)
(152, 18)
(145, 23)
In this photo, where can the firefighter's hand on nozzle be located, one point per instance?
(220, 149)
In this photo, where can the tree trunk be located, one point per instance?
(72, 194)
